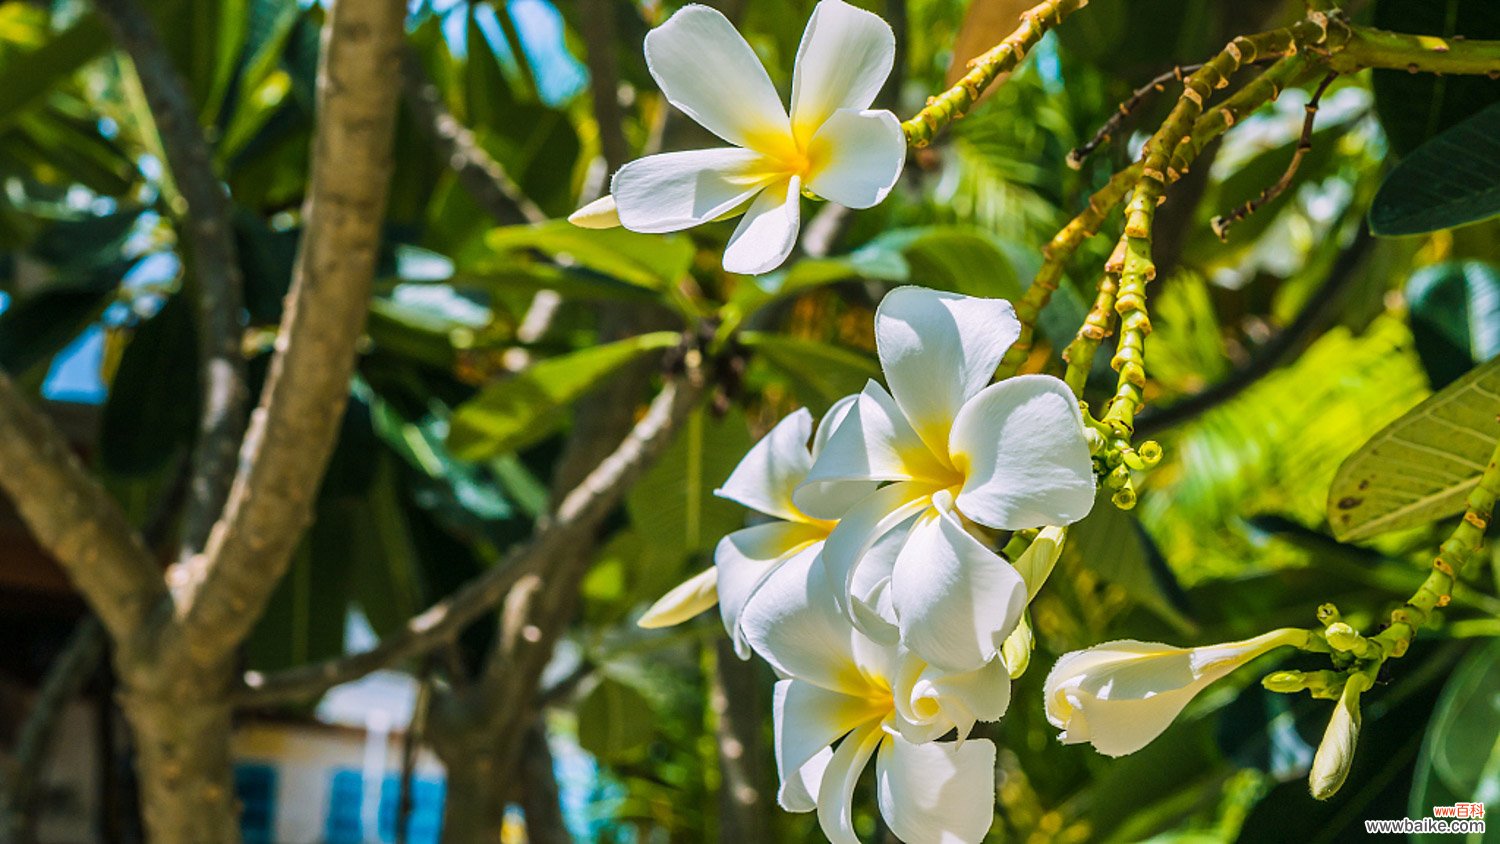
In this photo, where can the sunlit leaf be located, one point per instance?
(523, 409)
(1421, 467)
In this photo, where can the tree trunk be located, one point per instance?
(181, 723)
(474, 809)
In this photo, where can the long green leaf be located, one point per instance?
(1421, 467)
(649, 261)
(523, 409)
(1452, 180)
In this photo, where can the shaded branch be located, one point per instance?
(207, 224)
(1079, 154)
(604, 81)
(222, 591)
(65, 679)
(75, 519)
(580, 512)
(1221, 223)
(477, 171)
(1322, 307)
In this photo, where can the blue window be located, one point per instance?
(346, 802)
(255, 786)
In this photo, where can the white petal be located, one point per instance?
(869, 591)
(1036, 563)
(708, 71)
(872, 443)
(956, 601)
(793, 623)
(799, 792)
(1021, 445)
(937, 792)
(831, 421)
(686, 600)
(939, 349)
(862, 527)
(743, 561)
(831, 499)
(807, 720)
(599, 214)
(773, 468)
(765, 236)
(836, 791)
(674, 190)
(857, 157)
(845, 56)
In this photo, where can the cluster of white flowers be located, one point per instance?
(873, 586)
(873, 589)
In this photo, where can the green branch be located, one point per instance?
(1003, 57)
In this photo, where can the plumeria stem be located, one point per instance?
(1003, 57)
(1461, 545)
(1066, 242)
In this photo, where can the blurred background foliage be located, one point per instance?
(463, 391)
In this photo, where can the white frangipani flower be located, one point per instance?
(832, 144)
(881, 701)
(1119, 696)
(763, 481)
(953, 451)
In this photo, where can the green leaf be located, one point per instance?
(1421, 467)
(30, 75)
(649, 261)
(1416, 106)
(523, 409)
(1460, 758)
(614, 720)
(152, 408)
(820, 373)
(1109, 543)
(673, 506)
(1455, 317)
(1452, 180)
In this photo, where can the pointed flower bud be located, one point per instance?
(1330, 766)
(1119, 696)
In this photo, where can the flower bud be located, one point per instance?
(1119, 696)
(1037, 561)
(602, 213)
(1285, 682)
(1330, 766)
(1342, 637)
(1017, 648)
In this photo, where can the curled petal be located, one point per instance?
(938, 792)
(808, 720)
(845, 57)
(676, 190)
(956, 601)
(939, 349)
(836, 791)
(765, 236)
(862, 527)
(772, 469)
(857, 156)
(708, 71)
(927, 696)
(686, 600)
(1026, 463)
